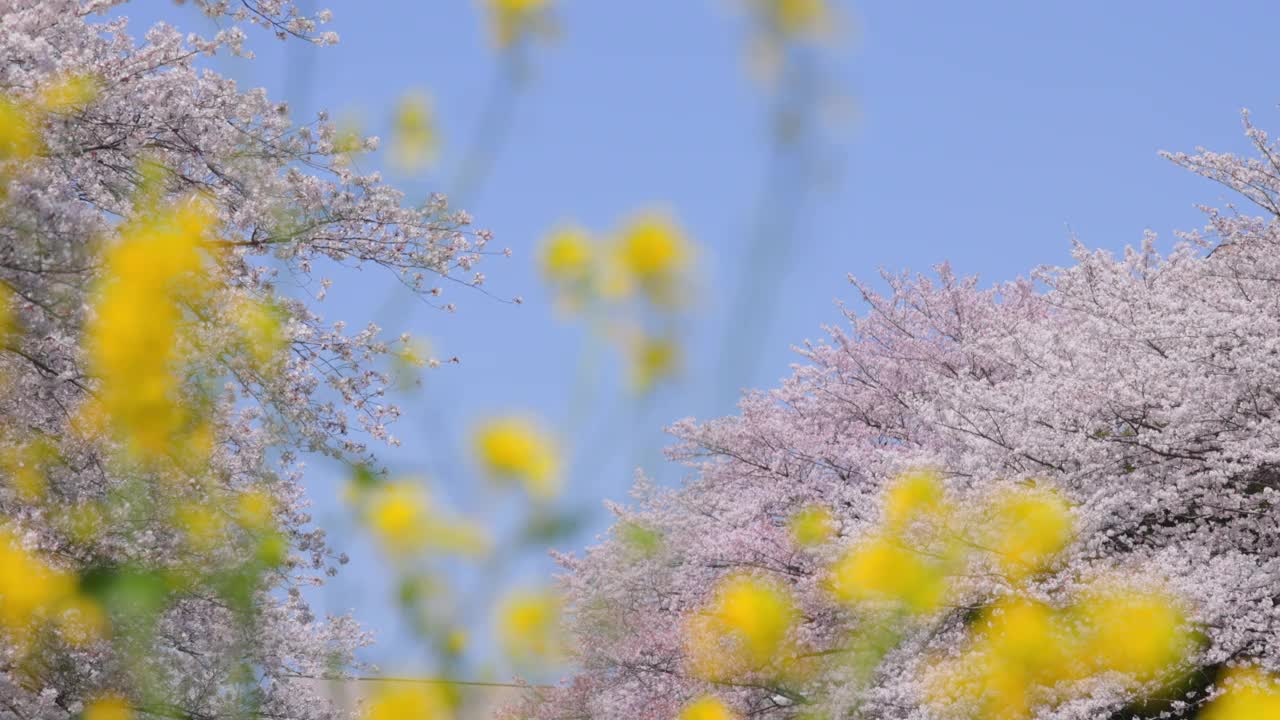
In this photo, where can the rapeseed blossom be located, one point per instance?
(706, 708)
(914, 494)
(515, 448)
(1250, 694)
(880, 570)
(744, 628)
(529, 626)
(511, 20)
(1030, 527)
(108, 707)
(416, 137)
(811, 526)
(133, 337)
(403, 701)
(652, 252)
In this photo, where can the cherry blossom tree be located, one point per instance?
(1141, 388)
(160, 375)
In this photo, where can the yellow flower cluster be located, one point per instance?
(417, 139)
(812, 526)
(20, 120)
(1025, 654)
(648, 260)
(706, 708)
(795, 18)
(1022, 531)
(33, 592)
(133, 337)
(884, 569)
(529, 627)
(108, 707)
(511, 20)
(403, 518)
(1251, 694)
(8, 319)
(744, 628)
(402, 701)
(1030, 526)
(513, 448)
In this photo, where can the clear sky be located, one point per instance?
(985, 134)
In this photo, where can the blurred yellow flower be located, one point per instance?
(880, 570)
(652, 251)
(132, 337)
(23, 467)
(799, 17)
(529, 626)
(652, 360)
(1251, 694)
(402, 517)
(510, 20)
(19, 131)
(108, 707)
(706, 708)
(566, 256)
(744, 627)
(204, 526)
(1030, 526)
(82, 620)
(1132, 631)
(261, 330)
(30, 590)
(67, 93)
(812, 526)
(416, 137)
(913, 494)
(8, 319)
(256, 509)
(408, 701)
(515, 448)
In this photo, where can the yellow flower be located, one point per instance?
(744, 628)
(204, 526)
(566, 256)
(706, 708)
(82, 620)
(799, 17)
(68, 93)
(405, 701)
(256, 510)
(510, 20)
(1134, 632)
(261, 330)
(1031, 525)
(1021, 649)
(1251, 694)
(652, 250)
(653, 359)
(398, 513)
(8, 319)
(812, 526)
(529, 626)
(30, 590)
(514, 448)
(879, 570)
(416, 137)
(108, 707)
(914, 493)
(132, 338)
(402, 517)
(19, 131)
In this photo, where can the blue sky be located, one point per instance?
(985, 134)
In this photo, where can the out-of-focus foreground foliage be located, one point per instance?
(1051, 503)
